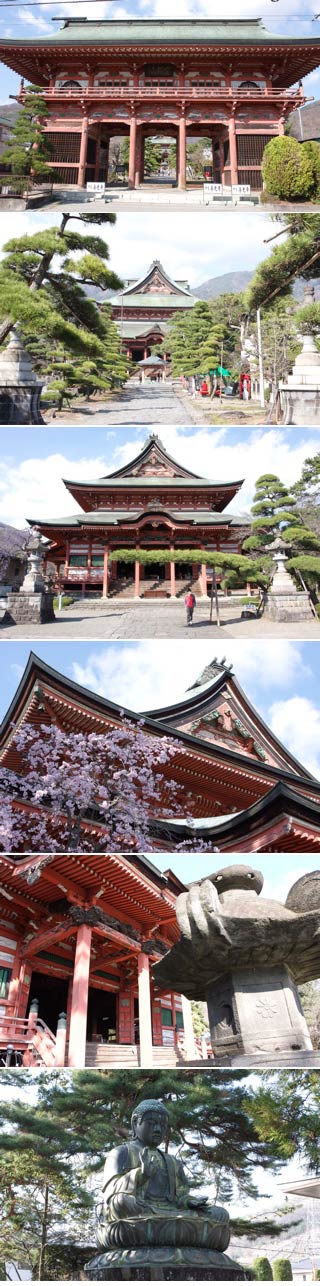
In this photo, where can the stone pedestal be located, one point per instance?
(20, 391)
(34, 608)
(256, 1011)
(156, 1263)
(299, 395)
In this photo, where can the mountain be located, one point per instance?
(229, 283)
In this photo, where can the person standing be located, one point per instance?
(189, 603)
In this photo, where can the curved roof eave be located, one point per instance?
(203, 747)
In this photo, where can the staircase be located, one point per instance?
(111, 1056)
(26, 1041)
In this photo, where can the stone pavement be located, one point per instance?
(150, 404)
(131, 620)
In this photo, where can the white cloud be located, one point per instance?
(145, 675)
(296, 721)
(34, 488)
(35, 20)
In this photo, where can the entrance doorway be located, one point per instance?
(52, 995)
(159, 160)
(102, 1015)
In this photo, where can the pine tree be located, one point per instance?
(28, 150)
(59, 322)
(307, 493)
(299, 256)
(275, 512)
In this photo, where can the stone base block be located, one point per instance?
(20, 405)
(24, 609)
(300, 405)
(155, 1263)
(256, 1011)
(288, 607)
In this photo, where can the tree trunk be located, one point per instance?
(43, 1244)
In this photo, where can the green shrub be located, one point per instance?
(282, 1271)
(254, 601)
(262, 1269)
(289, 171)
(66, 602)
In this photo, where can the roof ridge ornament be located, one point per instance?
(210, 672)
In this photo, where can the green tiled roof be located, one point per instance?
(190, 31)
(153, 301)
(112, 517)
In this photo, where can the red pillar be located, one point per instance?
(182, 152)
(233, 151)
(66, 566)
(145, 1025)
(105, 574)
(97, 160)
(172, 577)
(83, 153)
(137, 579)
(79, 1002)
(132, 151)
(281, 125)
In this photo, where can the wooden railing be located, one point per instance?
(190, 92)
(29, 1037)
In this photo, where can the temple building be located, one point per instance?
(229, 81)
(241, 790)
(79, 936)
(152, 503)
(144, 307)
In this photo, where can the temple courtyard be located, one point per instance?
(103, 619)
(155, 404)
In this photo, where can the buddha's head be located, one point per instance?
(149, 1122)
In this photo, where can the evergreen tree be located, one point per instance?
(62, 328)
(262, 1269)
(28, 150)
(307, 493)
(299, 256)
(274, 512)
(282, 1270)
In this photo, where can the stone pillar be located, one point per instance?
(83, 153)
(182, 152)
(189, 1040)
(256, 1012)
(145, 1024)
(79, 1002)
(137, 579)
(105, 574)
(233, 150)
(61, 1038)
(132, 151)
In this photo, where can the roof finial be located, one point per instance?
(211, 672)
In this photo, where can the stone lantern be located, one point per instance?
(284, 601)
(34, 601)
(20, 390)
(299, 394)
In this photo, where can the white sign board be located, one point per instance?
(96, 187)
(241, 189)
(214, 188)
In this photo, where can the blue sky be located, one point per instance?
(285, 16)
(279, 875)
(281, 678)
(33, 465)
